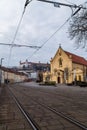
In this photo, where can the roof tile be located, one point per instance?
(77, 59)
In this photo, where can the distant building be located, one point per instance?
(66, 68)
(34, 70)
(34, 66)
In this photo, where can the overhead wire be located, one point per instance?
(26, 3)
(15, 37)
(20, 45)
(58, 29)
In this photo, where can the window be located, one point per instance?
(60, 62)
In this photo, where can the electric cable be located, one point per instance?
(15, 38)
(58, 29)
(26, 3)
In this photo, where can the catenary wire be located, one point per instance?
(10, 53)
(15, 38)
(58, 29)
(27, 2)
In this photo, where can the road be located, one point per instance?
(45, 104)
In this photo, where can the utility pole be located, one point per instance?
(1, 71)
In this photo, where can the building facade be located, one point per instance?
(10, 76)
(66, 68)
(32, 66)
(34, 70)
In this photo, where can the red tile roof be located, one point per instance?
(77, 59)
(12, 71)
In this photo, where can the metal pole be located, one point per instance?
(58, 4)
(1, 71)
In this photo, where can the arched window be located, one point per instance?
(60, 62)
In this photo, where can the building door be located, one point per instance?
(58, 80)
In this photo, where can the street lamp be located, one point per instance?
(1, 70)
(1, 60)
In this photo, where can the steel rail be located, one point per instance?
(61, 114)
(68, 118)
(26, 115)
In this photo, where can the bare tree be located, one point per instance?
(78, 28)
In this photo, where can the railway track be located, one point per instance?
(12, 114)
(78, 125)
(26, 115)
(77, 109)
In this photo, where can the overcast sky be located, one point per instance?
(39, 22)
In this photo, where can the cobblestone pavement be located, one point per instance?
(70, 100)
(10, 116)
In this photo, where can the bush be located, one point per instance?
(69, 84)
(48, 83)
(80, 83)
(83, 84)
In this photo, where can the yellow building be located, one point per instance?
(66, 68)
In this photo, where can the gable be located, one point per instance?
(60, 53)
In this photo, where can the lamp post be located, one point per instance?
(1, 70)
(1, 60)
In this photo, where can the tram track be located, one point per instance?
(12, 114)
(61, 114)
(73, 100)
(57, 94)
(26, 115)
